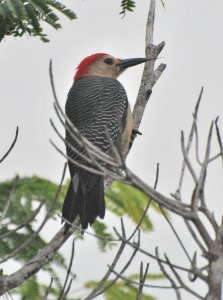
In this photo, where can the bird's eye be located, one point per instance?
(109, 61)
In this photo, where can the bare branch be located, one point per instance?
(176, 234)
(147, 253)
(142, 279)
(173, 205)
(181, 282)
(149, 77)
(68, 272)
(107, 275)
(87, 232)
(145, 285)
(7, 282)
(107, 286)
(45, 297)
(171, 280)
(219, 137)
(8, 202)
(23, 224)
(12, 145)
(186, 159)
(34, 235)
(190, 139)
(195, 237)
(147, 206)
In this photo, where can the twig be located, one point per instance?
(147, 206)
(186, 159)
(197, 143)
(87, 232)
(198, 191)
(76, 163)
(219, 137)
(34, 235)
(181, 282)
(68, 271)
(8, 202)
(172, 282)
(23, 224)
(106, 287)
(176, 234)
(145, 285)
(116, 259)
(12, 145)
(7, 282)
(177, 207)
(148, 253)
(190, 139)
(45, 297)
(195, 237)
(142, 279)
(68, 289)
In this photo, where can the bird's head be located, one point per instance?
(105, 65)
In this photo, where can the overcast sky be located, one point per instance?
(192, 31)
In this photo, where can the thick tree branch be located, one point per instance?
(7, 282)
(149, 76)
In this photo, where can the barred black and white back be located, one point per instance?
(93, 103)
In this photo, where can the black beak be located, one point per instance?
(130, 62)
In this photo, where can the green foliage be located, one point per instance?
(31, 289)
(127, 5)
(28, 287)
(26, 191)
(124, 289)
(18, 17)
(25, 194)
(123, 199)
(151, 276)
(104, 242)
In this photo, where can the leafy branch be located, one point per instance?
(19, 17)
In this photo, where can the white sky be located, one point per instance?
(192, 31)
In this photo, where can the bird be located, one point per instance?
(97, 105)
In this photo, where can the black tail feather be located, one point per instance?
(87, 201)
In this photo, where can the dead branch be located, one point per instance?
(168, 276)
(65, 288)
(12, 145)
(25, 223)
(100, 285)
(150, 75)
(114, 166)
(142, 279)
(8, 202)
(8, 282)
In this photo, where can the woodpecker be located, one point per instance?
(96, 100)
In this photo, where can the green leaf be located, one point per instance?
(152, 276)
(127, 5)
(16, 7)
(104, 236)
(120, 290)
(125, 199)
(62, 8)
(25, 16)
(29, 288)
(32, 16)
